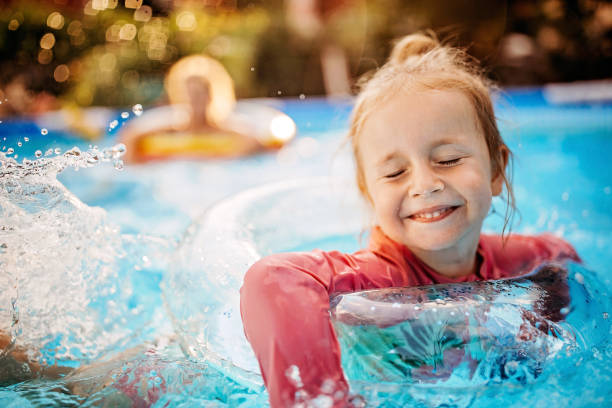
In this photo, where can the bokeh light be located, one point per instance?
(47, 41)
(13, 25)
(55, 20)
(143, 14)
(61, 73)
(128, 32)
(186, 21)
(45, 56)
(282, 128)
(133, 4)
(99, 4)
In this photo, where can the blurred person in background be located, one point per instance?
(201, 96)
(313, 19)
(202, 119)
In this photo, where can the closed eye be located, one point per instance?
(449, 162)
(394, 174)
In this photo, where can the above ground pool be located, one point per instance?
(124, 277)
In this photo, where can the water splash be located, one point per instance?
(62, 297)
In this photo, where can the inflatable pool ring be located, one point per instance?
(203, 118)
(250, 126)
(209, 265)
(464, 335)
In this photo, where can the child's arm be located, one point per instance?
(285, 312)
(16, 366)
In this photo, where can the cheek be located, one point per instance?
(474, 184)
(386, 204)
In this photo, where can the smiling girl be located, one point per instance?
(429, 160)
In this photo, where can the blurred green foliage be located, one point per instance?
(118, 56)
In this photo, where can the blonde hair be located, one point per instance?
(420, 61)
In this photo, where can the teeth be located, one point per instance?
(434, 214)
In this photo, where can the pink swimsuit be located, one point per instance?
(285, 302)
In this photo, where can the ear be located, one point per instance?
(497, 182)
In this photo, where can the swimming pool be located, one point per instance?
(562, 183)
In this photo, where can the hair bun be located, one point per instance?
(413, 45)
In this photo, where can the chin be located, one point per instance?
(434, 245)
(433, 241)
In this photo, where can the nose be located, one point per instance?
(425, 181)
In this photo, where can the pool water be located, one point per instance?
(108, 244)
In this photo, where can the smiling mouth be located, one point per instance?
(433, 216)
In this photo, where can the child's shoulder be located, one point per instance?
(321, 265)
(527, 250)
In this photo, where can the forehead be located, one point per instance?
(419, 120)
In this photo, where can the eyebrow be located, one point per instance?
(387, 158)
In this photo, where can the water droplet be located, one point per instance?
(118, 165)
(19, 144)
(10, 150)
(605, 315)
(302, 96)
(16, 156)
(44, 131)
(26, 139)
(125, 115)
(49, 152)
(579, 278)
(113, 124)
(93, 159)
(293, 374)
(115, 152)
(38, 153)
(564, 310)
(510, 368)
(57, 150)
(137, 109)
(328, 386)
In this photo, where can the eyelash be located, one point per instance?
(449, 162)
(394, 175)
(445, 163)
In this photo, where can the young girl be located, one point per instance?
(429, 160)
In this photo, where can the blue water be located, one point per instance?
(562, 182)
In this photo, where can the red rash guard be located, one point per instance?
(285, 302)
